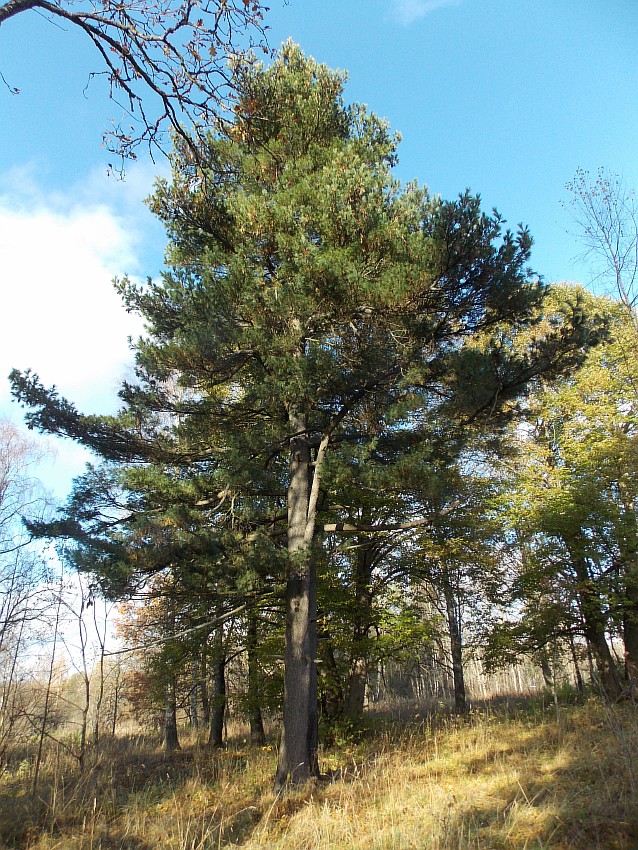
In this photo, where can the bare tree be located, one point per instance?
(20, 495)
(169, 63)
(22, 600)
(43, 731)
(605, 211)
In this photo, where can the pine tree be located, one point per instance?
(307, 290)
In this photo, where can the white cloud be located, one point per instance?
(408, 11)
(61, 317)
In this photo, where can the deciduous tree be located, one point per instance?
(574, 502)
(605, 211)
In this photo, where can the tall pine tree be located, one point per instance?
(306, 289)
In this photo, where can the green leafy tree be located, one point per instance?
(575, 497)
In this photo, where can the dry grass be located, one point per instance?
(498, 781)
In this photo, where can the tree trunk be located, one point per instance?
(171, 741)
(631, 646)
(203, 693)
(629, 554)
(456, 644)
(257, 733)
(608, 677)
(298, 759)
(358, 672)
(99, 700)
(194, 712)
(594, 622)
(116, 701)
(357, 681)
(218, 708)
(332, 698)
(579, 676)
(543, 660)
(47, 696)
(590, 661)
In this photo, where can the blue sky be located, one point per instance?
(506, 98)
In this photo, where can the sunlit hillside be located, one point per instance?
(519, 775)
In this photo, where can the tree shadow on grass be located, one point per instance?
(498, 782)
(513, 779)
(129, 791)
(23, 823)
(567, 784)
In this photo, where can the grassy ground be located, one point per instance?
(512, 778)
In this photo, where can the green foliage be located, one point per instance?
(571, 501)
(345, 731)
(318, 326)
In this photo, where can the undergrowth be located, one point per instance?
(513, 777)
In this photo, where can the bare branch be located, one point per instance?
(352, 528)
(173, 60)
(605, 211)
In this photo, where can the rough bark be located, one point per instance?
(358, 672)
(629, 555)
(218, 708)
(203, 693)
(298, 760)
(194, 708)
(171, 740)
(14, 7)
(594, 623)
(607, 674)
(357, 681)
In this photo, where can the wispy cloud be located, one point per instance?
(408, 11)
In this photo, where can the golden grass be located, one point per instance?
(491, 782)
